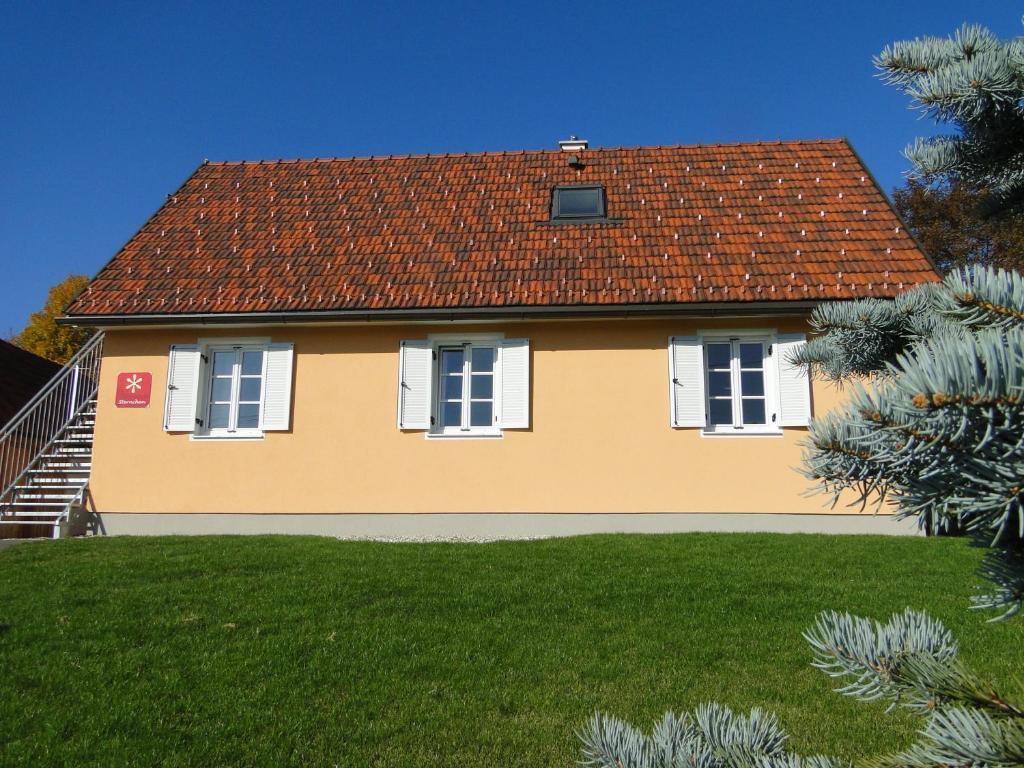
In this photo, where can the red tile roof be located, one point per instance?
(22, 374)
(782, 221)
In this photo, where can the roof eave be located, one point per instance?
(442, 314)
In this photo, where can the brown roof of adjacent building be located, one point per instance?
(783, 221)
(22, 374)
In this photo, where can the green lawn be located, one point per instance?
(304, 651)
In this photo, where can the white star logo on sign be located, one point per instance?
(134, 383)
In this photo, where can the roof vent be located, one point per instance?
(573, 144)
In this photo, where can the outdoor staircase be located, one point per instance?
(46, 452)
(58, 481)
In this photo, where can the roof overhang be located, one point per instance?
(443, 315)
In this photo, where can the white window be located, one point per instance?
(235, 390)
(464, 387)
(229, 388)
(738, 383)
(465, 377)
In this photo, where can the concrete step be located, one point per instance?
(32, 503)
(60, 483)
(64, 496)
(26, 520)
(43, 486)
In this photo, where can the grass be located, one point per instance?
(303, 651)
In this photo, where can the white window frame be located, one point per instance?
(468, 341)
(771, 388)
(207, 349)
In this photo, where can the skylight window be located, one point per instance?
(578, 203)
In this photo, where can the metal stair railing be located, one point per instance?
(42, 420)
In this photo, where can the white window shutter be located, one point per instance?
(515, 384)
(415, 373)
(182, 388)
(686, 381)
(277, 393)
(794, 383)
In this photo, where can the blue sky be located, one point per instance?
(108, 107)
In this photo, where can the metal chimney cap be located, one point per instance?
(573, 144)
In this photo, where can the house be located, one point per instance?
(577, 339)
(22, 374)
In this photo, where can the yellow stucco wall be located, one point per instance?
(600, 439)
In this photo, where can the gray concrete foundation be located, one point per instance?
(492, 526)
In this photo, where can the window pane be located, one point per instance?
(579, 202)
(753, 383)
(480, 414)
(483, 359)
(451, 388)
(219, 416)
(451, 415)
(721, 412)
(252, 363)
(751, 355)
(221, 390)
(482, 387)
(719, 384)
(250, 389)
(451, 361)
(718, 355)
(223, 362)
(249, 416)
(753, 411)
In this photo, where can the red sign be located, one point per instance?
(133, 389)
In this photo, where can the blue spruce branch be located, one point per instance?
(975, 82)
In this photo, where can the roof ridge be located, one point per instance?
(507, 152)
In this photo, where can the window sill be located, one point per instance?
(234, 438)
(490, 435)
(734, 433)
